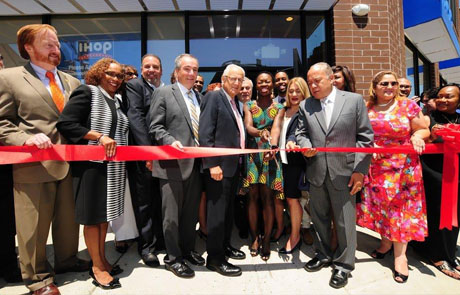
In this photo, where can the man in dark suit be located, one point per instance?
(174, 114)
(333, 118)
(31, 99)
(221, 125)
(145, 189)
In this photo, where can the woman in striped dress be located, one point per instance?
(94, 116)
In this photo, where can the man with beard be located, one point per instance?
(145, 190)
(31, 100)
(281, 82)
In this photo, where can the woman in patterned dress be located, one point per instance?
(264, 177)
(393, 199)
(94, 116)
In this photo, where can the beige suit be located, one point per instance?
(42, 190)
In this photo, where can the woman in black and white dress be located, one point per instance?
(94, 116)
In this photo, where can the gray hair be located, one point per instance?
(232, 67)
(325, 67)
(249, 80)
(178, 60)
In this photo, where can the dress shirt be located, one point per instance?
(238, 119)
(41, 73)
(184, 91)
(327, 105)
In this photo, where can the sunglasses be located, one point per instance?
(130, 74)
(386, 83)
(120, 76)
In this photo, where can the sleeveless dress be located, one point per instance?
(393, 199)
(258, 170)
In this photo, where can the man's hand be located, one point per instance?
(216, 173)
(310, 152)
(40, 140)
(291, 145)
(149, 165)
(356, 182)
(177, 145)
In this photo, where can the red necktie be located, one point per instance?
(56, 92)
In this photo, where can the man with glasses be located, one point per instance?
(221, 125)
(31, 99)
(145, 189)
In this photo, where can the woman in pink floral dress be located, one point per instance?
(393, 199)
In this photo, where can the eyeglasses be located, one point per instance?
(120, 76)
(246, 88)
(405, 86)
(386, 83)
(130, 74)
(234, 79)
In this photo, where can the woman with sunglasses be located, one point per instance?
(393, 198)
(441, 244)
(94, 116)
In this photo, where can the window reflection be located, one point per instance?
(262, 40)
(410, 69)
(85, 40)
(316, 39)
(166, 39)
(8, 46)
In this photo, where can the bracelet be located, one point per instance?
(261, 132)
(99, 139)
(273, 147)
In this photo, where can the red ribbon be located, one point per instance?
(27, 154)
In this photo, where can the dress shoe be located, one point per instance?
(114, 283)
(316, 264)
(402, 278)
(180, 269)
(224, 268)
(339, 279)
(151, 260)
(50, 289)
(284, 251)
(234, 253)
(80, 266)
(195, 258)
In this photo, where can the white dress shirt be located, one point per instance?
(327, 105)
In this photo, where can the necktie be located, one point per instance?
(327, 111)
(56, 93)
(239, 122)
(194, 117)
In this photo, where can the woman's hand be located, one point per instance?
(375, 155)
(435, 129)
(265, 135)
(110, 145)
(418, 144)
(291, 145)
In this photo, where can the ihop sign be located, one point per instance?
(94, 49)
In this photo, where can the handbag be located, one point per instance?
(303, 185)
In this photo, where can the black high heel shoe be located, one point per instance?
(397, 275)
(284, 251)
(378, 255)
(114, 283)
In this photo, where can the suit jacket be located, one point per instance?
(170, 121)
(138, 96)
(349, 127)
(26, 109)
(219, 128)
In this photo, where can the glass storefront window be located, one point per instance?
(86, 39)
(316, 39)
(256, 40)
(165, 38)
(8, 46)
(410, 69)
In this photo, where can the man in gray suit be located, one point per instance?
(174, 113)
(333, 118)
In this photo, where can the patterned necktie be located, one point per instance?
(239, 122)
(56, 93)
(194, 117)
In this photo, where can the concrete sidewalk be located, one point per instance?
(282, 274)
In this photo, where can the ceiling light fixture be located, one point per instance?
(289, 19)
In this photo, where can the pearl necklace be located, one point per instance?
(385, 104)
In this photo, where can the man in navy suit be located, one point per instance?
(145, 189)
(221, 125)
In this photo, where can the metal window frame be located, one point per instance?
(427, 81)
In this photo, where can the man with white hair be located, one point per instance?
(221, 125)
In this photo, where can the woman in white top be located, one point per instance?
(293, 163)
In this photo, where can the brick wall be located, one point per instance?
(369, 44)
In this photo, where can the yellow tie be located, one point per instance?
(194, 117)
(56, 92)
